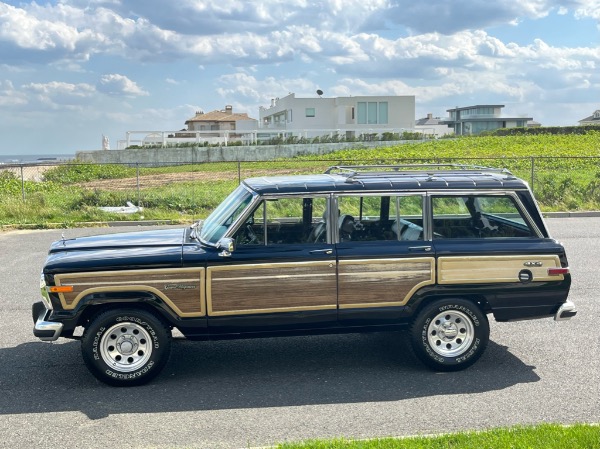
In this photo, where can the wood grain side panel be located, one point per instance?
(377, 283)
(494, 269)
(181, 289)
(266, 288)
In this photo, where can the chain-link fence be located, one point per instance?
(74, 192)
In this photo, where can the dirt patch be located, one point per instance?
(147, 181)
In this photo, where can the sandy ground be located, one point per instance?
(30, 172)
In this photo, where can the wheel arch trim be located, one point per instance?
(84, 295)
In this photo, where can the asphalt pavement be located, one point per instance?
(253, 393)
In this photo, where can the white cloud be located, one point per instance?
(115, 84)
(49, 33)
(60, 95)
(9, 96)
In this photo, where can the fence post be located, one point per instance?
(532, 173)
(22, 184)
(137, 175)
(239, 164)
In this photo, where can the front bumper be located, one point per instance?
(566, 311)
(42, 329)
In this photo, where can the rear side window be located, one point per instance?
(478, 216)
(376, 218)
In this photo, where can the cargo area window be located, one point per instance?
(478, 216)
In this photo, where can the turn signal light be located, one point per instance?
(61, 289)
(557, 271)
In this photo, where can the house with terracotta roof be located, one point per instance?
(593, 119)
(223, 120)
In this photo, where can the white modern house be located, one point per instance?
(471, 120)
(345, 116)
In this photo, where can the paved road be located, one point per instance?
(239, 394)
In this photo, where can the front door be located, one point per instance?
(281, 275)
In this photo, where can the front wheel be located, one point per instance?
(450, 334)
(126, 347)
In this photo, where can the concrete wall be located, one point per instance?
(221, 154)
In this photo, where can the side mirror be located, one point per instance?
(226, 245)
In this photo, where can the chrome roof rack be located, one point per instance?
(371, 171)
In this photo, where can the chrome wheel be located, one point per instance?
(450, 333)
(126, 347)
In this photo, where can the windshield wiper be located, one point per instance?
(196, 227)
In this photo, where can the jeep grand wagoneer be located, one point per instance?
(432, 249)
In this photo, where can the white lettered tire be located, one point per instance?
(126, 347)
(450, 334)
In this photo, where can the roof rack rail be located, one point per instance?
(353, 171)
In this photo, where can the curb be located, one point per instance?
(571, 214)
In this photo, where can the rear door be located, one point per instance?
(383, 256)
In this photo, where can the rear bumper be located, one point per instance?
(42, 329)
(566, 311)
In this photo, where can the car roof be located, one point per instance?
(389, 178)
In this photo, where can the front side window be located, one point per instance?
(379, 218)
(478, 216)
(285, 221)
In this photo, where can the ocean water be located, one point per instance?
(37, 158)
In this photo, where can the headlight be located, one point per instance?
(44, 292)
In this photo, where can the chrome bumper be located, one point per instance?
(42, 329)
(566, 311)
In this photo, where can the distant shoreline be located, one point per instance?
(35, 158)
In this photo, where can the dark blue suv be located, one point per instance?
(433, 249)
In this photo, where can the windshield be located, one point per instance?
(225, 215)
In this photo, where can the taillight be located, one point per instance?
(557, 271)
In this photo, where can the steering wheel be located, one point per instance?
(251, 236)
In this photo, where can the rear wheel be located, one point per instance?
(450, 334)
(126, 347)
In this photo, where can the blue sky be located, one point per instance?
(73, 70)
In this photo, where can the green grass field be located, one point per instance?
(546, 436)
(563, 170)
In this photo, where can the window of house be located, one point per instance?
(383, 112)
(478, 217)
(379, 218)
(285, 221)
(372, 112)
(310, 112)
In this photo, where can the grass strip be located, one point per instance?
(543, 436)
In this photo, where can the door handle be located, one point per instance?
(426, 248)
(327, 251)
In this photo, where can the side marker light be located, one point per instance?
(61, 289)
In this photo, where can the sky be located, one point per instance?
(72, 71)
